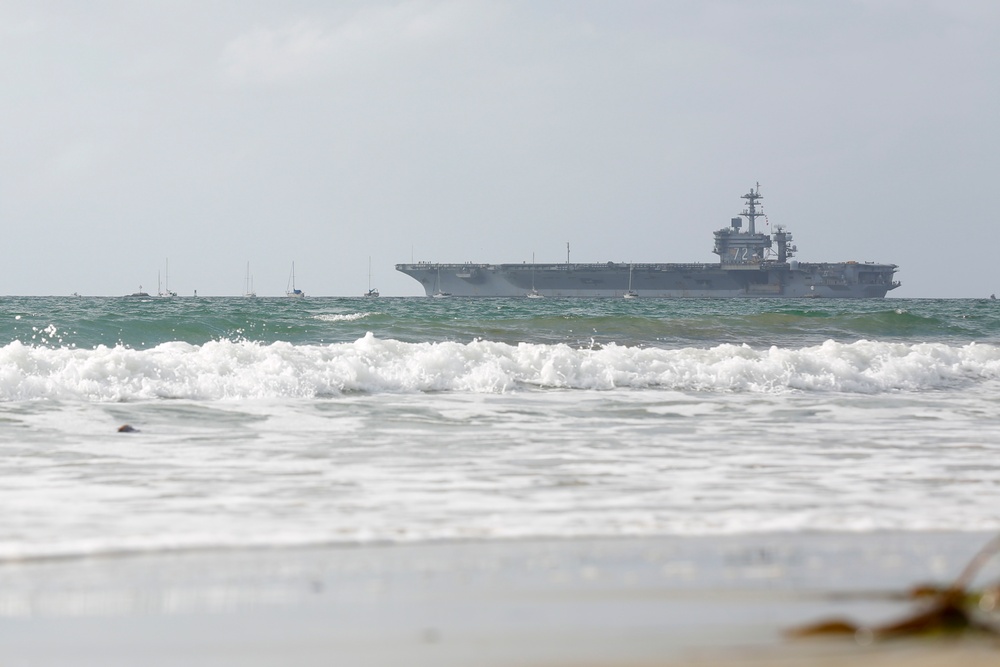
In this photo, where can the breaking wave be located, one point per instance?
(226, 370)
(349, 317)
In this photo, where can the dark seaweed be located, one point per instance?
(945, 610)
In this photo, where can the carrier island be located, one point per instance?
(751, 264)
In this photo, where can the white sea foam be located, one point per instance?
(348, 317)
(222, 370)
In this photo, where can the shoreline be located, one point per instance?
(583, 601)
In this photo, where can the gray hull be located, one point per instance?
(752, 264)
(846, 280)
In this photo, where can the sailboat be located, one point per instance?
(248, 284)
(372, 292)
(533, 294)
(291, 281)
(438, 294)
(166, 283)
(630, 294)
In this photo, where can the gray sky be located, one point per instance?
(324, 133)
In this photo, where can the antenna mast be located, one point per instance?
(750, 212)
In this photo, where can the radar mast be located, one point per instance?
(750, 212)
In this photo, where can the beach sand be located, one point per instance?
(579, 602)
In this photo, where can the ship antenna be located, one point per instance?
(750, 212)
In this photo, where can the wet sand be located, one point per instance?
(629, 601)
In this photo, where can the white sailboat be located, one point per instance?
(248, 290)
(290, 290)
(166, 283)
(372, 292)
(438, 294)
(533, 294)
(630, 294)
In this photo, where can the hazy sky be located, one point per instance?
(212, 133)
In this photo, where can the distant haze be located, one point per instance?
(324, 133)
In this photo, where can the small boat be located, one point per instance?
(533, 294)
(166, 283)
(247, 285)
(372, 292)
(139, 293)
(630, 294)
(438, 294)
(292, 291)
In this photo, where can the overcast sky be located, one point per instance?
(213, 133)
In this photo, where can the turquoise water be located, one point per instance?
(671, 323)
(280, 421)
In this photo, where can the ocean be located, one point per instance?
(275, 422)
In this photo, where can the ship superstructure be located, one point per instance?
(751, 264)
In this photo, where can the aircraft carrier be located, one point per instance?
(752, 264)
